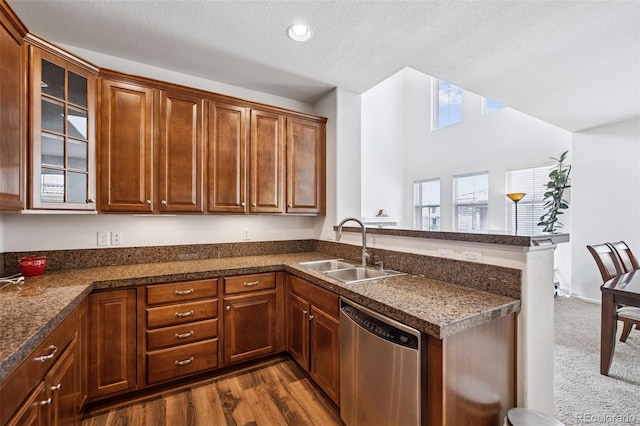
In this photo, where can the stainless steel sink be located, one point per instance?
(328, 265)
(349, 272)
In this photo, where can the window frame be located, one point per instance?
(435, 104)
(474, 205)
(418, 206)
(483, 106)
(532, 199)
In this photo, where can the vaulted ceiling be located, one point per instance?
(574, 64)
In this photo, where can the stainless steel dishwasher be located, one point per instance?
(380, 380)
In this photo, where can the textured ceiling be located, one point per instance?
(575, 64)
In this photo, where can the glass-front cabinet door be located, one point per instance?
(63, 132)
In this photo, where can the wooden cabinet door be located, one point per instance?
(125, 148)
(226, 158)
(298, 330)
(62, 383)
(249, 326)
(62, 145)
(180, 153)
(324, 337)
(34, 411)
(305, 166)
(13, 161)
(112, 342)
(267, 162)
(82, 363)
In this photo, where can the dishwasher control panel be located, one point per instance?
(379, 328)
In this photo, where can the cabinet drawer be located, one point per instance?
(166, 364)
(329, 302)
(181, 334)
(179, 292)
(181, 313)
(246, 283)
(15, 388)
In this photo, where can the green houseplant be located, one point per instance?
(554, 203)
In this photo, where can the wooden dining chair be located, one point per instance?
(607, 261)
(627, 259)
(610, 266)
(628, 315)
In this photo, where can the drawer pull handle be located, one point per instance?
(185, 362)
(184, 292)
(184, 314)
(44, 358)
(251, 284)
(56, 387)
(46, 401)
(184, 335)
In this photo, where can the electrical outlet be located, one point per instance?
(245, 234)
(116, 238)
(103, 238)
(472, 256)
(448, 253)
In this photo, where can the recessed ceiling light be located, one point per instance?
(299, 32)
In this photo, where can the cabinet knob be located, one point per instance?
(46, 401)
(228, 308)
(91, 201)
(253, 204)
(242, 204)
(289, 205)
(310, 317)
(149, 202)
(163, 202)
(56, 387)
(304, 312)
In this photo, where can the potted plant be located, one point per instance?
(554, 203)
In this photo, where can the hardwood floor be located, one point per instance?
(274, 394)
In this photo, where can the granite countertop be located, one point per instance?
(28, 313)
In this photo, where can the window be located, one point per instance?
(426, 198)
(489, 106)
(471, 202)
(533, 182)
(447, 105)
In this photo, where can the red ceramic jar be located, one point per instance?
(32, 266)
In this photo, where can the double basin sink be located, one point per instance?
(349, 272)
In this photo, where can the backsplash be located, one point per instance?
(87, 258)
(479, 276)
(2, 265)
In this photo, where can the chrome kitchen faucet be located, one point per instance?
(365, 254)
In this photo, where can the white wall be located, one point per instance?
(605, 197)
(58, 232)
(397, 141)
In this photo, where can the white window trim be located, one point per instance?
(485, 111)
(417, 219)
(435, 104)
(456, 205)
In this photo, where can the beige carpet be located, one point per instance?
(581, 394)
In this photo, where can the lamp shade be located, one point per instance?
(516, 196)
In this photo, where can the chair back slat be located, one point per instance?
(627, 259)
(607, 261)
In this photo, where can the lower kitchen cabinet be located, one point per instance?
(253, 317)
(313, 333)
(112, 342)
(181, 328)
(45, 387)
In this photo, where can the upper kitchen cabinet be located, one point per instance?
(179, 177)
(267, 162)
(125, 148)
(306, 166)
(226, 158)
(62, 112)
(12, 111)
(150, 149)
